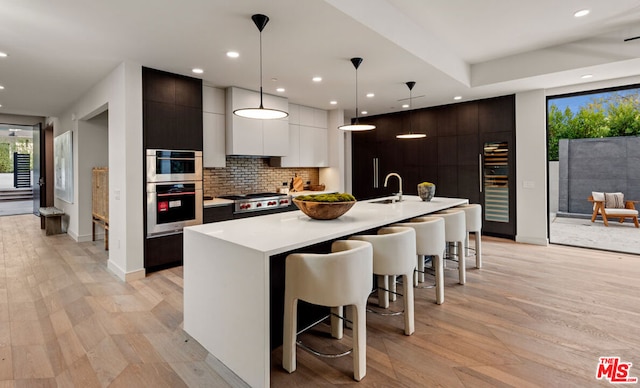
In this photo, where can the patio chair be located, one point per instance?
(613, 205)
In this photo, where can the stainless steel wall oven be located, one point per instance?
(173, 165)
(174, 191)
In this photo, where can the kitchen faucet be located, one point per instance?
(399, 184)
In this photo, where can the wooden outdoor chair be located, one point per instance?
(629, 211)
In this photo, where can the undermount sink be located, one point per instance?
(386, 201)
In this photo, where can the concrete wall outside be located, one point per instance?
(603, 164)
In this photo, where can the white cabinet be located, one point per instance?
(308, 139)
(213, 131)
(251, 136)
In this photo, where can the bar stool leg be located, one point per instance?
(289, 340)
(462, 271)
(336, 323)
(383, 295)
(359, 341)
(478, 249)
(439, 269)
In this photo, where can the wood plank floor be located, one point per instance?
(533, 316)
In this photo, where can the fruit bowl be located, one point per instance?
(326, 207)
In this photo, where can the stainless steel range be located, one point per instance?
(245, 203)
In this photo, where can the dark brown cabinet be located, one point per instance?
(450, 156)
(172, 119)
(172, 110)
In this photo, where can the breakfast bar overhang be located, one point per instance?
(227, 286)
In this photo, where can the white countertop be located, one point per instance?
(276, 233)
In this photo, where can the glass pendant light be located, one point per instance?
(356, 126)
(410, 135)
(260, 112)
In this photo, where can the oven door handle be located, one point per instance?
(176, 193)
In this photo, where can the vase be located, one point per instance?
(426, 192)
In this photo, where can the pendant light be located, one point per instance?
(410, 135)
(261, 112)
(356, 126)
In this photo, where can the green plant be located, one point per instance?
(426, 184)
(332, 197)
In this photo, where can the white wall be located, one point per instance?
(121, 92)
(531, 168)
(92, 142)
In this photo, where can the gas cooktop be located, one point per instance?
(258, 201)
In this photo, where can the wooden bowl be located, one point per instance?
(323, 210)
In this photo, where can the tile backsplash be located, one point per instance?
(247, 174)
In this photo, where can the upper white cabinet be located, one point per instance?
(213, 126)
(251, 136)
(308, 138)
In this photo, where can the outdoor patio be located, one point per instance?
(582, 232)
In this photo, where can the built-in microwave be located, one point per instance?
(173, 165)
(173, 205)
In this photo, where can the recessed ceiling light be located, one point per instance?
(280, 90)
(581, 13)
(316, 79)
(197, 71)
(370, 95)
(457, 98)
(333, 102)
(1, 87)
(0, 105)
(405, 105)
(586, 76)
(233, 54)
(15, 129)
(3, 55)
(364, 112)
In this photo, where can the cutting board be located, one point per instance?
(297, 184)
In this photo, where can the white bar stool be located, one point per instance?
(455, 231)
(394, 252)
(473, 219)
(341, 278)
(430, 241)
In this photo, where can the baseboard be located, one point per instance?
(126, 276)
(532, 240)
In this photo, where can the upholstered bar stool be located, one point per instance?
(473, 221)
(341, 278)
(455, 231)
(430, 241)
(394, 252)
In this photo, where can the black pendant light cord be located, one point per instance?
(261, 106)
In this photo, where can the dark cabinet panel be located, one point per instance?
(217, 213)
(468, 150)
(447, 150)
(188, 92)
(158, 86)
(497, 114)
(469, 183)
(467, 118)
(447, 121)
(425, 121)
(160, 123)
(163, 252)
(188, 128)
(447, 182)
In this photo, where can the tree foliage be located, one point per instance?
(613, 115)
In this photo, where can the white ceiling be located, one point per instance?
(473, 48)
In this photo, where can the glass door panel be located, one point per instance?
(496, 181)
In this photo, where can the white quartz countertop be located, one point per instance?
(277, 233)
(217, 202)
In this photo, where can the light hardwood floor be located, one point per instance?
(533, 316)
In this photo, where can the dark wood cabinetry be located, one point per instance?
(450, 155)
(172, 110)
(217, 213)
(172, 119)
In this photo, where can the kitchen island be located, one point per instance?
(228, 274)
